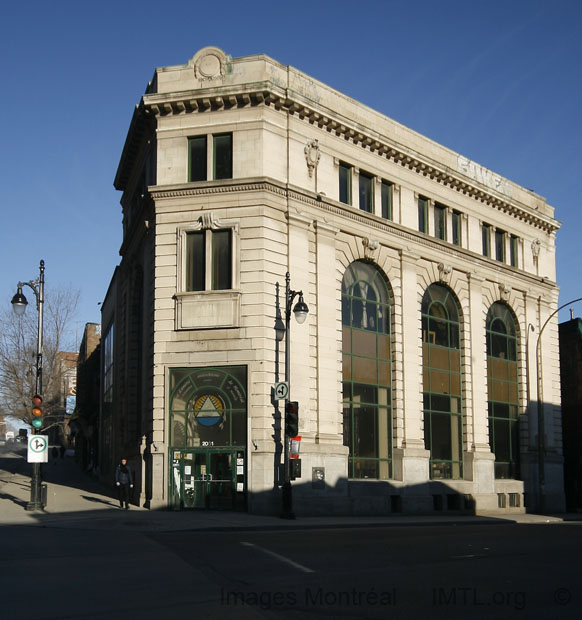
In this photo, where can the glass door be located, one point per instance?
(209, 479)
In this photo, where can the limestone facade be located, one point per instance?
(300, 178)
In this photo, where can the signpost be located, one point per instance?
(37, 449)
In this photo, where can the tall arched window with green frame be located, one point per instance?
(441, 362)
(367, 371)
(503, 389)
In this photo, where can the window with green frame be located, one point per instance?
(367, 371)
(422, 214)
(441, 361)
(386, 196)
(503, 389)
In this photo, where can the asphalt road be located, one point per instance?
(473, 571)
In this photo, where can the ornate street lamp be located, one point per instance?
(19, 303)
(282, 330)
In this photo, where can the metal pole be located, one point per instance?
(287, 493)
(35, 481)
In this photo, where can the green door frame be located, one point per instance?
(198, 479)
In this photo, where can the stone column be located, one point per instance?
(411, 461)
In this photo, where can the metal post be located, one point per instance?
(287, 493)
(35, 482)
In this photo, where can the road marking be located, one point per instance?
(282, 558)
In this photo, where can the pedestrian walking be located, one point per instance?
(62, 451)
(124, 482)
(54, 454)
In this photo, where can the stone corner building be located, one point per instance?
(427, 279)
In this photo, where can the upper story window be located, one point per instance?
(366, 183)
(456, 228)
(513, 251)
(440, 222)
(220, 154)
(500, 245)
(486, 236)
(345, 183)
(209, 260)
(107, 357)
(386, 199)
(422, 214)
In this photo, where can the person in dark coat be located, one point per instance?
(124, 482)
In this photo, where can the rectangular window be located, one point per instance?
(500, 245)
(366, 192)
(386, 200)
(440, 222)
(422, 214)
(209, 260)
(486, 234)
(222, 156)
(221, 260)
(108, 365)
(197, 159)
(345, 184)
(513, 250)
(456, 228)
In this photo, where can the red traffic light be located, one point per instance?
(37, 400)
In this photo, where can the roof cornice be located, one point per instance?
(268, 94)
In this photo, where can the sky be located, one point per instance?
(498, 81)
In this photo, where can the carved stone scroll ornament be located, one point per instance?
(536, 246)
(504, 292)
(370, 248)
(312, 155)
(444, 272)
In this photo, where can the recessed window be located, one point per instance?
(513, 250)
(367, 371)
(456, 227)
(386, 197)
(197, 159)
(366, 183)
(440, 222)
(422, 214)
(486, 236)
(503, 390)
(345, 184)
(500, 245)
(209, 260)
(443, 428)
(222, 156)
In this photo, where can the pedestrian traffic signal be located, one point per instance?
(37, 411)
(291, 418)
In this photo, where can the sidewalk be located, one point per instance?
(76, 500)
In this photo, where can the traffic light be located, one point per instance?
(291, 418)
(36, 411)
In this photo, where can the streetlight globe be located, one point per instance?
(19, 302)
(301, 310)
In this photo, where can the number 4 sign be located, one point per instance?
(37, 449)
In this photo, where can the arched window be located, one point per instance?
(367, 371)
(441, 361)
(502, 390)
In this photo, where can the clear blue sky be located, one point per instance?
(498, 81)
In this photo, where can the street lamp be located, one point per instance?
(541, 419)
(282, 330)
(19, 303)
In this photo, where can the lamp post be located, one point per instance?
(541, 418)
(19, 303)
(282, 330)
